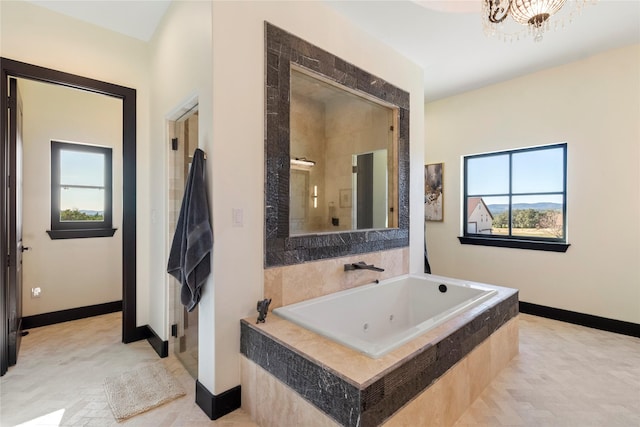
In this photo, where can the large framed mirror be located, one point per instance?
(343, 158)
(336, 156)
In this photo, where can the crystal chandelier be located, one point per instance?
(537, 16)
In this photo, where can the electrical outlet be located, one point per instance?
(35, 292)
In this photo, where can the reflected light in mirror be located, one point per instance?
(302, 164)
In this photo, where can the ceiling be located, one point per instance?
(456, 56)
(444, 37)
(134, 18)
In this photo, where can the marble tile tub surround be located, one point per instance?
(269, 401)
(294, 283)
(281, 50)
(355, 390)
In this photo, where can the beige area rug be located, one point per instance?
(134, 392)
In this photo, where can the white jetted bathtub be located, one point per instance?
(377, 318)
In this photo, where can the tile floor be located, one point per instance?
(58, 380)
(565, 375)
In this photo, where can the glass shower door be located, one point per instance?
(184, 329)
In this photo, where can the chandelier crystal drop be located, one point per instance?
(537, 16)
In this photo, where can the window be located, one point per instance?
(517, 198)
(80, 191)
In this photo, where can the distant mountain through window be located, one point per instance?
(543, 206)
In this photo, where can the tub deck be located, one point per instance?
(404, 307)
(354, 389)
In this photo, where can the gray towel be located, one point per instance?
(190, 255)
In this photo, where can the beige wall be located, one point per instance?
(180, 63)
(212, 50)
(593, 105)
(238, 172)
(71, 272)
(38, 36)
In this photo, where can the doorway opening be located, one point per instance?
(72, 204)
(183, 135)
(15, 69)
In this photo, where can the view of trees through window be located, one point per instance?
(517, 194)
(530, 222)
(82, 182)
(77, 215)
(81, 190)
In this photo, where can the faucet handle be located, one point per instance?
(354, 266)
(263, 307)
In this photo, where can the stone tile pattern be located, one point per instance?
(371, 404)
(290, 284)
(273, 404)
(58, 379)
(444, 401)
(564, 375)
(317, 384)
(283, 49)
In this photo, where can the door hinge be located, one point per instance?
(354, 169)
(174, 330)
(8, 260)
(174, 144)
(391, 128)
(11, 102)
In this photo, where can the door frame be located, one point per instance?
(12, 68)
(14, 222)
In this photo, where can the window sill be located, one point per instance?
(517, 244)
(81, 233)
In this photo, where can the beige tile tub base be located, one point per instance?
(272, 403)
(449, 397)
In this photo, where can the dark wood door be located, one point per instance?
(14, 297)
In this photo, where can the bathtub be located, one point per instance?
(377, 318)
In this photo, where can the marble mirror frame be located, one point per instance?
(281, 50)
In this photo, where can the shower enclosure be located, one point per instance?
(183, 133)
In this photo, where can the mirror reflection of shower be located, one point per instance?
(343, 158)
(370, 189)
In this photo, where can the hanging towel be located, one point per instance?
(190, 255)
